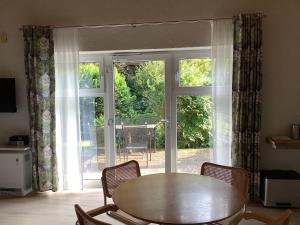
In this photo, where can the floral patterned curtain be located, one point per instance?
(39, 67)
(246, 96)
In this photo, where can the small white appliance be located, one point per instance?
(280, 189)
(15, 170)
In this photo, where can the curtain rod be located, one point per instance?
(154, 23)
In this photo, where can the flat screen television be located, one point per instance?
(7, 95)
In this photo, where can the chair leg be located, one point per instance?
(150, 142)
(119, 153)
(147, 157)
(126, 154)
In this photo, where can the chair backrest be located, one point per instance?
(237, 177)
(136, 136)
(113, 176)
(85, 219)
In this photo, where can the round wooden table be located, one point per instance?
(177, 198)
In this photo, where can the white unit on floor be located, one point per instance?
(15, 170)
(282, 193)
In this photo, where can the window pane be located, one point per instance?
(195, 72)
(89, 75)
(92, 136)
(194, 132)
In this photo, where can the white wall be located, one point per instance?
(281, 46)
(150, 37)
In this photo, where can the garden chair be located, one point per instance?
(237, 177)
(100, 139)
(100, 147)
(86, 218)
(111, 178)
(136, 138)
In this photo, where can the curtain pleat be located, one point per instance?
(246, 95)
(68, 146)
(222, 48)
(39, 68)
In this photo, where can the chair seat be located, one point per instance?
(126, 218)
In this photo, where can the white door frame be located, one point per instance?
(167, 58)
(172, 90)
(109, 109)
(181, 91)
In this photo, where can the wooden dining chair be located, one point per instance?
(111, 178)
(87, 218)
(235, 176)
(283, 219)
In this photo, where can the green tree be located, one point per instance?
(129, 71)
(89, 75)
(150, 85)
(195, 72)
(140, 92)
(123, 99)
(194, 121)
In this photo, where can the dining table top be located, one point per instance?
(178, 198)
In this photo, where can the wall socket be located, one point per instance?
(3, 37)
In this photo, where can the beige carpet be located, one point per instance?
(57, 208)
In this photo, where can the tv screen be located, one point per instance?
(7, 95)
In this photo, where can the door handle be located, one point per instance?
(110, 121)
(166, 122)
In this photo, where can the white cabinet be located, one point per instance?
(282, 193)
(15, 170)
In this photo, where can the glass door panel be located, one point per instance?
(194, 132)
(91, 106)
(139, 89)
(92, 136)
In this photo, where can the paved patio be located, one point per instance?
(188, 161)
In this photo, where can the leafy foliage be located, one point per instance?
(140, 96)
(194, 116)
(150, 85)
(89, 75)
(123, 99)
(195, 72)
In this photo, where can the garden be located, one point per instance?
(140, 98)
